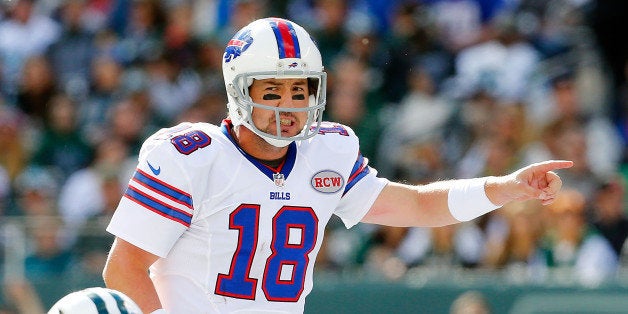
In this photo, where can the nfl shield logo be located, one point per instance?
(279, 179)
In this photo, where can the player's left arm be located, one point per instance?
(432, 205)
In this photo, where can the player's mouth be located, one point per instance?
(285, 122)
(288, 125)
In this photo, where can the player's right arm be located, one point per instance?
(155, 210)
(126, 270)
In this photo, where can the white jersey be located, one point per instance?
(234, 235)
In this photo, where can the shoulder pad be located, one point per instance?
(183, 139)
(336, 136)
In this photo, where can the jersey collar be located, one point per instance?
(284, 168)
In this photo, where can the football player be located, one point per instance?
(229, 218)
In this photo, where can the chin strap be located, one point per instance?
(277, 142)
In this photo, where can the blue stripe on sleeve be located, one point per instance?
(360, 169)
(158, 207)
(164, 189)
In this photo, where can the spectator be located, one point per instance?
(606, 18)
(461, 245)
(93, 242)
(62, 145)
(129, 121)
(572, 247)
(71, 56)
(23, 34)
(586, 128)
(392, 251)
(23, 298)
(110, 158)
(609, 212)
(470, 123)
(105, 90)
(353, 102)
(36, 192)
(406, 39)
(48, 256)
(36, 88)
(503, 66)
(96, 15)
(458, 24)
(205, 18)
(209, 65)
(140, 31)
(209, 108)
(598, 130)
(179, 40)
(380, 259)
(496, 147)
(14, 155)
(414, 132)
(513, 242)
(172, 87)
(328, 28)
(238, 14)
(414, 46)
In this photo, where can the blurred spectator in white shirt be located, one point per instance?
(23, 34)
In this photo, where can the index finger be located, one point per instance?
(550, 165)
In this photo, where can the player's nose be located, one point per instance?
(286, 100)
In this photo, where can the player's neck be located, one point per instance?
(256, 146)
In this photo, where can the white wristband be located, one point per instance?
(467, 199)
(159, 311)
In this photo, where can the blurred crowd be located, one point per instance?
(436, 89)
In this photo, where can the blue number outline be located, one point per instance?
(191, 141)
(237, 282)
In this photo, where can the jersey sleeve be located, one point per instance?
(362, 188)
(157, 206)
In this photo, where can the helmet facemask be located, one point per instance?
(242, 112)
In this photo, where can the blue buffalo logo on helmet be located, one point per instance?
(238, 44)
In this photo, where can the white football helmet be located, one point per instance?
(95, 300)
(273, 48)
